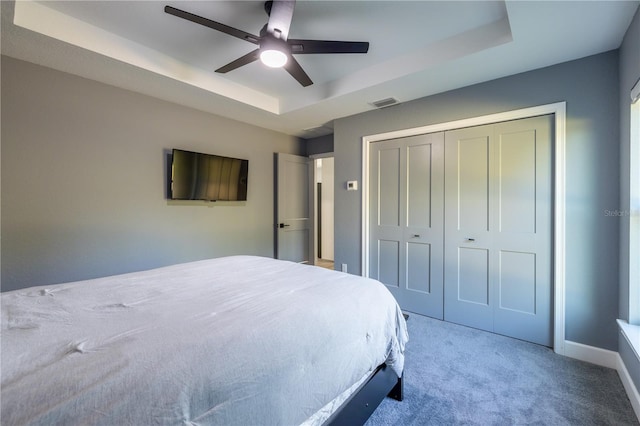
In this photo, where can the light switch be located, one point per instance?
(352, 185)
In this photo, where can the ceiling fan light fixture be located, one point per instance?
(274, 51)
(273, 58)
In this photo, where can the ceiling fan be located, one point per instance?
(275, 48)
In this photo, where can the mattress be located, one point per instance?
(237, 340)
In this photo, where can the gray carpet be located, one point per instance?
(458, 375)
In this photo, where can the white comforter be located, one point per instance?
(240, 340)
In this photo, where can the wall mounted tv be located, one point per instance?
(198, 176)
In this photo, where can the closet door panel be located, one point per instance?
(523, 240)
(498, 231)
(468, 211)
(389, 262)
(388, 204)
(517, 174)
(384, 206)
(419, 267)
(419, 185)
(472, 175)
(406, 236)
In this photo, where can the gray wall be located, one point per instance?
(590, 88)
(83, 180)
(629, 74)
(319, 145)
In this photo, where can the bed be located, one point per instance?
(240, 340)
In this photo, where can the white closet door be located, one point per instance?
(468, 212)
(498, 228)
(523, 230)
(406, 220)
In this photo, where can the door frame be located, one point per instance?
(559, 193)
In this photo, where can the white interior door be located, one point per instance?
(294, 214)
(498, 229)
(406, 220)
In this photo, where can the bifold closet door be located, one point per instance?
(498, 211)
(406, 228)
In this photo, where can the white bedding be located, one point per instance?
(240, 340)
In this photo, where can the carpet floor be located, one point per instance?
(456, 375)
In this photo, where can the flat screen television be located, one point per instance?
(198, 176)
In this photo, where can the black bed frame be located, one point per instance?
(359, 407)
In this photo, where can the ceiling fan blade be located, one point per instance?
(243, 60)
(280, 17)
(301, 47)
(243, 35)
(293, 67)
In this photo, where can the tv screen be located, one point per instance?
(198, 176)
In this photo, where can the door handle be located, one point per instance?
(470, 240)
(282, 225)
(416, 235)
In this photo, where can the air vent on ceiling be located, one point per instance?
(383, 103)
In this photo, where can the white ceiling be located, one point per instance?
(417, 48)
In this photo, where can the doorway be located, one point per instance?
(324, 216)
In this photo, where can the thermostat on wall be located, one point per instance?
(352, 185)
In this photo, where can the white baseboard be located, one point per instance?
(609, 359)
(603, 357)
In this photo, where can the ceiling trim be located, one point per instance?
(46, 21)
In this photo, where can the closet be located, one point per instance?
(460, 225)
